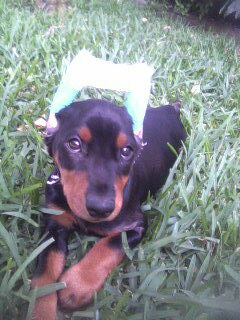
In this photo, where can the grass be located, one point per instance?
(188, 265)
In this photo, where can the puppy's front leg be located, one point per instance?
(50, 266)
(88, 276)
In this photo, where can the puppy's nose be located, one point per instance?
(98, 207)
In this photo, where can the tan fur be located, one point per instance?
(121, 140)
(75, 186)
(85, 134)
(54, 266)
(88, 276)
(119, 185)
(65, 219)
(46, 306)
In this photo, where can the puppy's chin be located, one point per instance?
(87, 217)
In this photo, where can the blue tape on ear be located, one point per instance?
(63, 97)
(86, 70)
(136, 104)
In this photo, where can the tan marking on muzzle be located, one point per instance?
(75, 186)
(119, 185)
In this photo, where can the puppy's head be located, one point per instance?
(94, 149)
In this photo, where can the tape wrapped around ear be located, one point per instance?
(86, 70)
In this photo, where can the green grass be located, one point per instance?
(188, 265)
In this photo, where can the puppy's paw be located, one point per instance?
(88, 276)
(81, 285)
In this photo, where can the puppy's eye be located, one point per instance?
(75, 144)
(126, 153)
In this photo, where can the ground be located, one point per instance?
(217, 25)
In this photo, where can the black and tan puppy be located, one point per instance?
(101, 176)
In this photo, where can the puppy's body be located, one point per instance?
(101, 177)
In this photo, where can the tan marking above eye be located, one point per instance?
(121, 140)
(85, 134)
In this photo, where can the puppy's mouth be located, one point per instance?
(97, 218)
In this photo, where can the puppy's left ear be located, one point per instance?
(52, 128)
(139, 139)
(140, 144)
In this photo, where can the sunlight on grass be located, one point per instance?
(188, 265)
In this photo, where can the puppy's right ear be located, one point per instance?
(52, 128)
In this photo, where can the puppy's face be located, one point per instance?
(94, 149)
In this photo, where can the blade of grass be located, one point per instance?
(31, 257)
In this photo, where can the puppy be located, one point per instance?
(102, 174)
